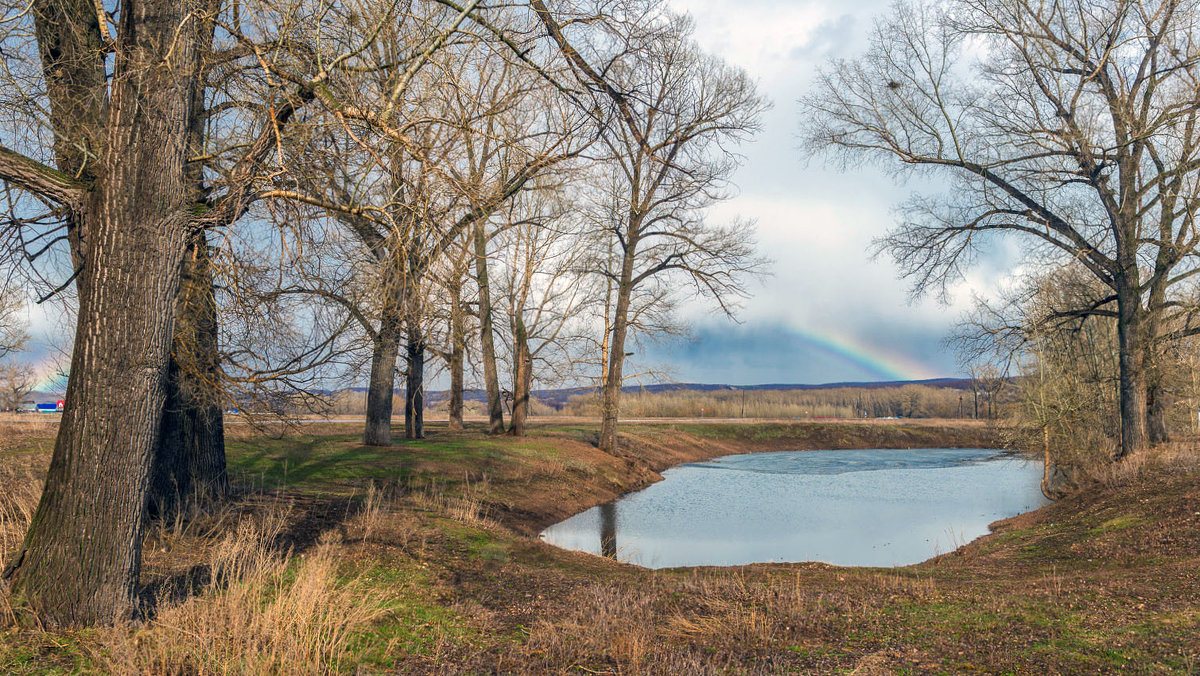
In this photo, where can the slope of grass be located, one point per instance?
(418, 559)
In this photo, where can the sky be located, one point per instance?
(830, 311)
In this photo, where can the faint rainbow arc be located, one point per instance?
(49, 379)
(880, 362)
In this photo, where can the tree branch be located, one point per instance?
(31, 175)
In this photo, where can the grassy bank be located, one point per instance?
(419, 558)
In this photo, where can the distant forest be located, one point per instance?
(989, 398)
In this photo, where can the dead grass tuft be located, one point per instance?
(261, 611)
(1180, 456)
(20, 491)
(252, 607)
(609, 624)
(469, 506)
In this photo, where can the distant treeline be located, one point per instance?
(985, 399)
(906, 401)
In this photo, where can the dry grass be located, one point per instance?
(260, 611)
(683, 624)
(468, 506)
(1179, 456)
(20, 490)
(19, 494)
(254, 608)
(420, 579)
(608, 623)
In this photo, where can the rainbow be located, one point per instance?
(48, 377)
(880, 363)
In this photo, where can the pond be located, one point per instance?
(853, 508)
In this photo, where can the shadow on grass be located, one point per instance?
(309, 518)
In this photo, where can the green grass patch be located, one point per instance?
(415, 622)
(1120, 523)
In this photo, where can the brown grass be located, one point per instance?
(20, 490)
(433, 576)
(259, 613)
(467, 505)
(1179, 456)
(909, 401)
(257, 610)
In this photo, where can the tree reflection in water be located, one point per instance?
(608, 530)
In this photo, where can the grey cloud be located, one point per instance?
(766, 352)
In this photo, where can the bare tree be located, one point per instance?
(675, 116)
(16, 379)
(111, 170)
(544, 295)
(16, 383)
(1071, 125)
(453, 275)
(482, 131)
(1061, 367)
(13, 328)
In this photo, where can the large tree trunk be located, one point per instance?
(190, 463)
(1132, 375)
(1158, 406)
(522, 379)
(414, 388)
(491, 377)
(385, 346)
(382, 386)
(1158, 395)
(458, 342)
(80, 560)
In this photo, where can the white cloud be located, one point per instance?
(817, 223)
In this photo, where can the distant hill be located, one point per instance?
(39, 397)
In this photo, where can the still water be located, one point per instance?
(852, 508)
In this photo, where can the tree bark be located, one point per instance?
(1158, 404)
(522, 379)
(385, 347)
(414, 389)
(610, 404)
(1131, 362)
(458, 341)
(80, 560)
(189, 465)
(487, 343)
(382, 386)
(414, 314)
(69, 43)
(1158, 397)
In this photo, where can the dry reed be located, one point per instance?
(261, 611)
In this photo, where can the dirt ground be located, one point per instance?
(1104, 581)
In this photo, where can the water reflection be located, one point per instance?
(872, 507)
(608, 530)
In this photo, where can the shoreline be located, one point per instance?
(438, 535)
